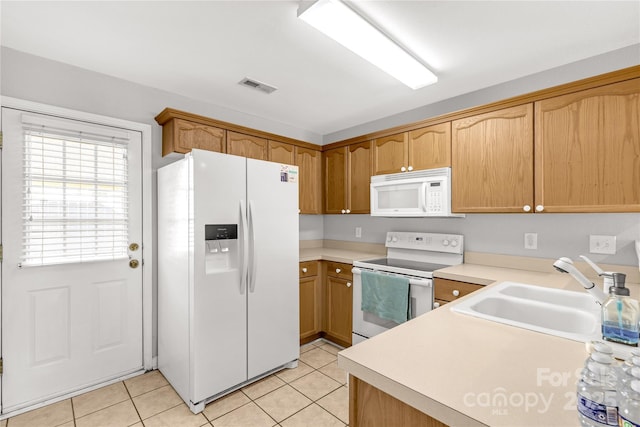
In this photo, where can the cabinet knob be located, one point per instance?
(298, 210)
(343, 211)
(304, 269)
(410, 168)
(348, 210)
(338, 270)
(436, 304)
(539, 208)
(348, 284)
(403, 169)
(455, 292)
(526, 208)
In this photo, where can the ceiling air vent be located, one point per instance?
(254, 84)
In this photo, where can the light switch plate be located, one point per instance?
(599, 244)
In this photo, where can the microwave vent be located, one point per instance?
(426, 173)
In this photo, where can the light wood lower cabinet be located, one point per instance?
(339, 303)
(370, 406)
(445, 290)
(326, 302)
(310, 301)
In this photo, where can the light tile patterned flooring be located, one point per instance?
(313, 394)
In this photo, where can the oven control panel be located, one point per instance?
(449, 243)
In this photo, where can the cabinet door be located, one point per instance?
(359, 177)
(339, 309)
(430, 147)
(335, 180)
(247, 146)
(281, 152)
(310, 307)
(309, 163)
(180, 136)
(588, 150)
(390, 154)
(492, 161)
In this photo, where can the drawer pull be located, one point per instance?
(304, 269)
(455, 292)
(338, 270)
(436, 304)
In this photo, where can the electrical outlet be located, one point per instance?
(531, 240)
(358, 232)
(602, 244)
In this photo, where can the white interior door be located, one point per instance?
(71, 292)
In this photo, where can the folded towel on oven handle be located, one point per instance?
(386, 296)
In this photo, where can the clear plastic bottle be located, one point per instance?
(597, 397)
(629, 371)
(629, 411)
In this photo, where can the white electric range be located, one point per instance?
(413, 255)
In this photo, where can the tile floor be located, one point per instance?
(313, 394)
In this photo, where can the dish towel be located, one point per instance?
(385, 296)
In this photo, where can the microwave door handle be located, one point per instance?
(423, 197)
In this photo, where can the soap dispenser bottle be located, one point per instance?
(620, 314)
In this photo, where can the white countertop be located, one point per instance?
(466, 371)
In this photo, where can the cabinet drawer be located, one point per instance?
(308, 269)
(339, 270)
(451, 290)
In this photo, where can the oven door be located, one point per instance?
(367, 325)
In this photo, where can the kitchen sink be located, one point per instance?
(558, 312)
(567, 314)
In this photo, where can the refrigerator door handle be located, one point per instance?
(244, 250)
(253, 264)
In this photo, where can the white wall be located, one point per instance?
(558, 234)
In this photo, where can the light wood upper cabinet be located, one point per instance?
(309, 164)
(335, 180)
(390, 154)
(359, 178)
(587, 149)
(347, 174)
(430, 147)
(425, 148)
(247, 146)
(281, 152)
(492, 161)
(180, 136)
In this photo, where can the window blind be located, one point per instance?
(74, 192)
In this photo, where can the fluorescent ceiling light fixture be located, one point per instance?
(344, 25)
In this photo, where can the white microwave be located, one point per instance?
(412, 194)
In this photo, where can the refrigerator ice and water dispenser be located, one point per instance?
(221, 247)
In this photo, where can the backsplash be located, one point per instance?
(558, 234)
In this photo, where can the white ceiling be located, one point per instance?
(202, 49)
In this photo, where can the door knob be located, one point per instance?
(410, 168)
(304, 269)
(348, 210)
(455, 292)
(134, 263)
(348, 284)
(133, 247)
(526, 208)
(403, 169)
(338, 270)
(539, 208)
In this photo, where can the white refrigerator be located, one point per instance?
(228, 304)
